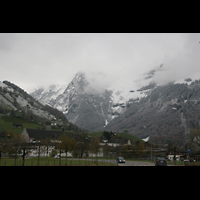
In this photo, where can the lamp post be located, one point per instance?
(151, 152)
(186, 134)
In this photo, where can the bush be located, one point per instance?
(75, 154)
(194, 164)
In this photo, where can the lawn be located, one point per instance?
(7, 121)
(52, 162)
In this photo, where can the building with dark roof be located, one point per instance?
(34, 135)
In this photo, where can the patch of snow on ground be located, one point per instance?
(23, 102)
(146, 139)
(5, 101)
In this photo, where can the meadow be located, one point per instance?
(54, 162)
(6, 124)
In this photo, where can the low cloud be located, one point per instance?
(181, 64)
(98, 82)
(29, 60)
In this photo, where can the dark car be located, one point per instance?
(160, 161)
(120, 160)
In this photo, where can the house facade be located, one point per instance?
(35, 137)
(38, 137)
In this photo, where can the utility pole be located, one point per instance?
(187, 136)
(151, 152)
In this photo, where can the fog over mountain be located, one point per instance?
(110, 58)
(90, 102)
(109, 80)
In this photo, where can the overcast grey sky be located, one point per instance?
(33, 59)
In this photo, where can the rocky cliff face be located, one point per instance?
(87, 106)
(142, 108)
(169, 111)
(81, 104)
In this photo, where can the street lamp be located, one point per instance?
(186, 133)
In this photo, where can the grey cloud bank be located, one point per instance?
(108, 59)
(182, 63)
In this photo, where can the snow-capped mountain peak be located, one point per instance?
(86, 103)
(77, 84)
(47, 94)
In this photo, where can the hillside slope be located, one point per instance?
(166, 112)
(16, 102)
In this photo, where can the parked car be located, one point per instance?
(57, 156)
(161, 161)
(120, 160)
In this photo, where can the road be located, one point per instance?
(136, 163)
(127, 163)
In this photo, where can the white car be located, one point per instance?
(57, 156)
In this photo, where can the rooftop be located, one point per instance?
(41, 134)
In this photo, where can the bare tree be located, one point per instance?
(17, 142)
(83, 145)
(194, 138)
(106, 149)
(176, 141)
(67, 144)
(46, 142)
(94, 148)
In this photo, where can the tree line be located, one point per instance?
(14, 146)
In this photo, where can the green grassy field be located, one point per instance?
(6, 124)
(52, 162)
(7, 121)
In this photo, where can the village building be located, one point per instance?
(35, 137)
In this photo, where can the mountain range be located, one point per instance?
(140, 107)
(91, 108)
(81, 105)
